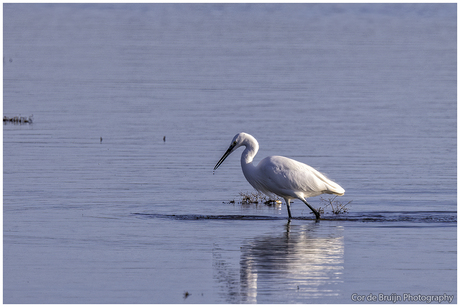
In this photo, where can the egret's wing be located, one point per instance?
(291, 177)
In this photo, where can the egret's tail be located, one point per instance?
(331, 186)
(334, 188)
(340, 191)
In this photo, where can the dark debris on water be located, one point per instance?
(18, 119)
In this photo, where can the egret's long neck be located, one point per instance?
(252, 147)
(249, 170)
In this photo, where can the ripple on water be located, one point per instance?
(379, 216)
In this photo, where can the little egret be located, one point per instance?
(282, 176)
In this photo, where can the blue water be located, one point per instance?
(365, 93)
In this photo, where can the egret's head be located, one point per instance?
(237, 141)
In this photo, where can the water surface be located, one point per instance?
(99, 209)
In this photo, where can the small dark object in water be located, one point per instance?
(101, 139)
(18, 119)
(186, 294)
(164, 138)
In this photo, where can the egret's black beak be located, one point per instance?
(226, 154)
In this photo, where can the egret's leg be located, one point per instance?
(288, 204)
(312, 209)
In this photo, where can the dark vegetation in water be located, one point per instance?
(18, 119)
(248, 198)
(256, 198)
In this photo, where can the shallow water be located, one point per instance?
(99, 209)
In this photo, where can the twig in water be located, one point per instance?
(336, 206)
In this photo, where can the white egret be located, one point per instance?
(282, 176)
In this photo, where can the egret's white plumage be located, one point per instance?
(282, 176)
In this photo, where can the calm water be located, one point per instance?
(364, 93)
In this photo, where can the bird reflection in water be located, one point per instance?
(304, 264)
